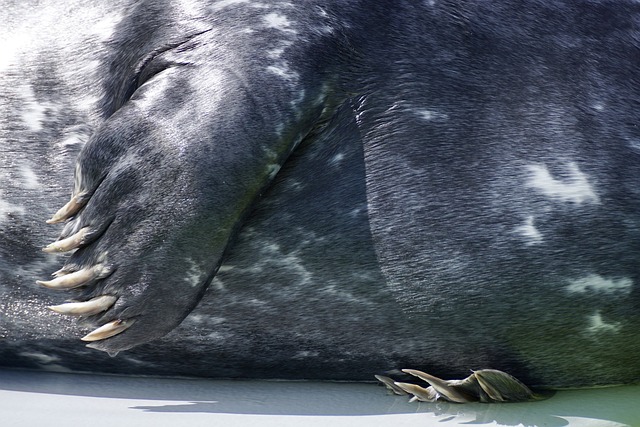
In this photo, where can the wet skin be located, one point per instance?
(341, 188)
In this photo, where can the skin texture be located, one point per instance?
(341, 188)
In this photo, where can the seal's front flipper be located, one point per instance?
(166, 180)
(486, 386)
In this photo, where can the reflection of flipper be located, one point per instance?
(486, 385)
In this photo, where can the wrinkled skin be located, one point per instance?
(341, 188)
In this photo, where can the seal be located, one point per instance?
(324, 190)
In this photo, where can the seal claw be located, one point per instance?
(70, 243)
(391, 385)
(71, 208)
(419, 393)
(86, 308)
(75, 279)
(444, 388)
(62, 272)
(108, 330)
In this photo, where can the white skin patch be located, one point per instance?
(216, 336)
(324, 92)
(529, 232)
(279, 131)
(7, 209)
(280, 67)
(284, 72)
(34, 116)
(40, 31)
(226, 3)
(335, 160)
(275, 53)
(598, 325)
(358, 211)
(293, 185)
(29, 179)
(33, 112)
(272, 170)
(271, 256)
(635, 144)
(596, 283)
(105, 27)
(87, 103)
(279, 22)
(194, 276)
(74, 138)
(10, 47)
(574, 189)
(296, 102)
(431, 115)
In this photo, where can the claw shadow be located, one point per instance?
(614, 406)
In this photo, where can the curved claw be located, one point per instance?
(391, 385)
(75, 279)
(87, 308)
(422, 394)
(110, 329)
(62, 272)
(69, 209)
(70, 243)
(443, 387)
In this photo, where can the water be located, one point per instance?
(33, 398)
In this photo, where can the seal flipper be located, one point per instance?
(165, 182)
(502, 387)
(485, 385)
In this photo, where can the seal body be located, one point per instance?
(324, 190)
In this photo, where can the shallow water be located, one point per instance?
(34, 398)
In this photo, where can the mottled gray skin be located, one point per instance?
(429, 184)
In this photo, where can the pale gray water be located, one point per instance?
(36, 399)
